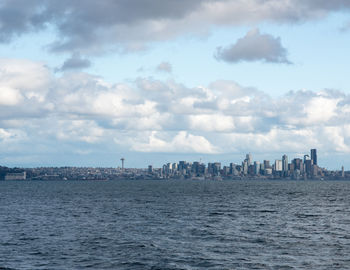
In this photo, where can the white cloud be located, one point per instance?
(320, 109)
(164, 116)
(182, 142)
(212, 122)
(32, 78)
(9, 96)
(79, 130)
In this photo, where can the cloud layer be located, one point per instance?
(81, 111)
(93, 26)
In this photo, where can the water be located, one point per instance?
(175, 225)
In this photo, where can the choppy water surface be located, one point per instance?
(174, 225)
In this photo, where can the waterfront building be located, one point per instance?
(267, 164)
(245, 167)
(298, 164)
(278, 165)
(249, 159)
(308, 166)
(217, 168)
(182, 165)
(16, 176)
(284, 163)
(314, 156)
(256, 167)
(268, 171)
(175, 166)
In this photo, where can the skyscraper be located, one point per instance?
(249, 159)
(314, 156)
(284, 163)
(278, 165)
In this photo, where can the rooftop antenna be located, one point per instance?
(122, 159)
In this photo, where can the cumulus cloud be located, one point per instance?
(93, 26)
(75, 62)
(80, 110)
(164, 67)
(254, 46)
(182, 142)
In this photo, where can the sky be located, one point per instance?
(85, 82)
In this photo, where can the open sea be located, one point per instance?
(175, 225)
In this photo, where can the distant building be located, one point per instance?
(217, 168)
(256, 167)
(182, 165)
(284, 163)
(298, 164)
(175, 166)
(267, 164)
(245, 166)
(278, 165)
(249, 159)
(268, 171)
(314, 156)
(308, 166)
(16, 176)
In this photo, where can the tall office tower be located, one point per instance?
(217, 168)
(182, 165)
(308, 166)
(256, 167)
(249, 159)
(314, 156)
(278, 165)
(245, 167)
(210, 168)
(195, 167)
(267, 164)
(175, 166)
(284, 163)
(298, 164)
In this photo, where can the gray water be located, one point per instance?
(175, 225)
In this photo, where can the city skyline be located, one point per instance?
(86, 83)
(305, 168)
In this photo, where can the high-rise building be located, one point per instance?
(298, 164)
(249, 159)
(217, 168)
(284, 163)
(308, 166)
(195, 167)
(245, 167)
(278, 165)
(267, 164)
(256, 167)
(314, 156)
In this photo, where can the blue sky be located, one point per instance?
(88, 82)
